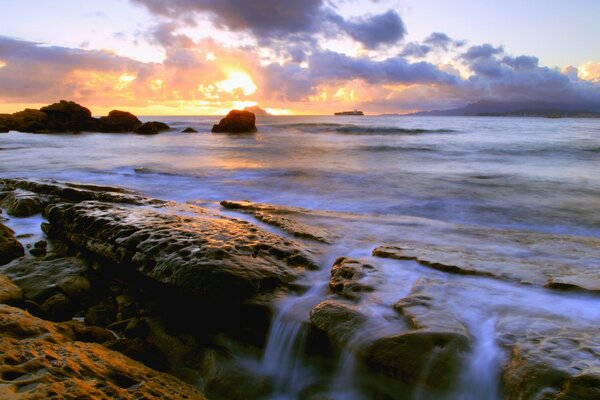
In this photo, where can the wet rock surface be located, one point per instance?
(348, 278)
(208, 255)
(285, 218)
(9, 292)
(40, 359)
(22, 203)
(237, 121)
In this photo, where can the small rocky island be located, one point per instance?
(68, 116)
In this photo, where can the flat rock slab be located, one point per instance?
(553, 261)
(203, 254)
(292, 220)
(41, 360)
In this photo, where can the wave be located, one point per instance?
(359, 129)
(384, 148)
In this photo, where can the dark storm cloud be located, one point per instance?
(271, 21)
(264, 18)
(376, 30)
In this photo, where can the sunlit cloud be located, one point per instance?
(237, 80)
(589, 71)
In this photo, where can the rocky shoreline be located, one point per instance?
(134, 297)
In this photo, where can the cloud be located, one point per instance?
(481, 52)
(376, 30)
(415, 50)
(442, 41)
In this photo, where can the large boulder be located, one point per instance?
(119, 121)
(10, 248)
(68, 116)
(28, 120)
(69, 369)
(237, 121)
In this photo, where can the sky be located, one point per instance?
(198, 57)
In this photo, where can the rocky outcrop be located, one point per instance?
(68, 116)
(340, 321)
(119, 121)
(152, 128)
(189, 130)
(237, 121)
(218, 258)
(40, 359)
(10, 248)
(348, 278)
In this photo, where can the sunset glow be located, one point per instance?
(198, 57)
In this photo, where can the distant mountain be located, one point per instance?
(256, 110)
(525, 109)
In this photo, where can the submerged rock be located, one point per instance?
(10, 248)
(119, 121)
(237, 121)
(71, 369)
(152, 128)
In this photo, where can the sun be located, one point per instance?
(237, 80)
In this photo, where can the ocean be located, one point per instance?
(521, 191)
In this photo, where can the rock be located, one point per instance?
(68, 116)
(94, 334)
(550, 357)
(22, 203)
(152, 128)
(39, 279)
(55, 191)
(28, 120)
(39, 248)
(74, 286)
(256, 110)
(57, 307)
(119, 121)
(136, 328)
(553, 261)
(140, 350)
(433, 359)
(237, 121)
(210, 256)
(41, 360)
(10, 248)
(338, 320)
(102, 314)
(347, 278)
(189, 130)
(9, 292)
(285, 218)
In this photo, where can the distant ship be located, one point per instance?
(355, 112)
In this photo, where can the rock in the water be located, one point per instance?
(189, 130)
(10, 248)
(119, 121)
(338, 320)
(41, 360)
(9, 292)
(68, 116)
(152, 128)
(237, 121)
(22, 203)
(347, 278)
